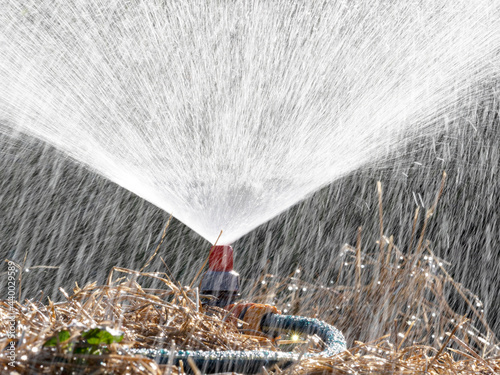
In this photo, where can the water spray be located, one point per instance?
(173, 99)
(220, 286)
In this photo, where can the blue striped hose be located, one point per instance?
(251, 362)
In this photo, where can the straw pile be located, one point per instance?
(146, 318)
(401, 292)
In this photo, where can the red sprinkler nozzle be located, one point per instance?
(221, 259)
(221, 281)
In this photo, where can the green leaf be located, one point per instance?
(105, 335)
(61, 336)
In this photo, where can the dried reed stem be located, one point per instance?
(159, 244)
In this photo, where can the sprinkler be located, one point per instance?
(220, 285)
(220, 281)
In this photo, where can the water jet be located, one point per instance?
(173, 100)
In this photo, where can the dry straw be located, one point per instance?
(390, 302)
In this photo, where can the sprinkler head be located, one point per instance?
(220, 281)
(221, 259)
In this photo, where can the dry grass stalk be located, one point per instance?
(159, 244)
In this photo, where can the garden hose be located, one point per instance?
(251, 362)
